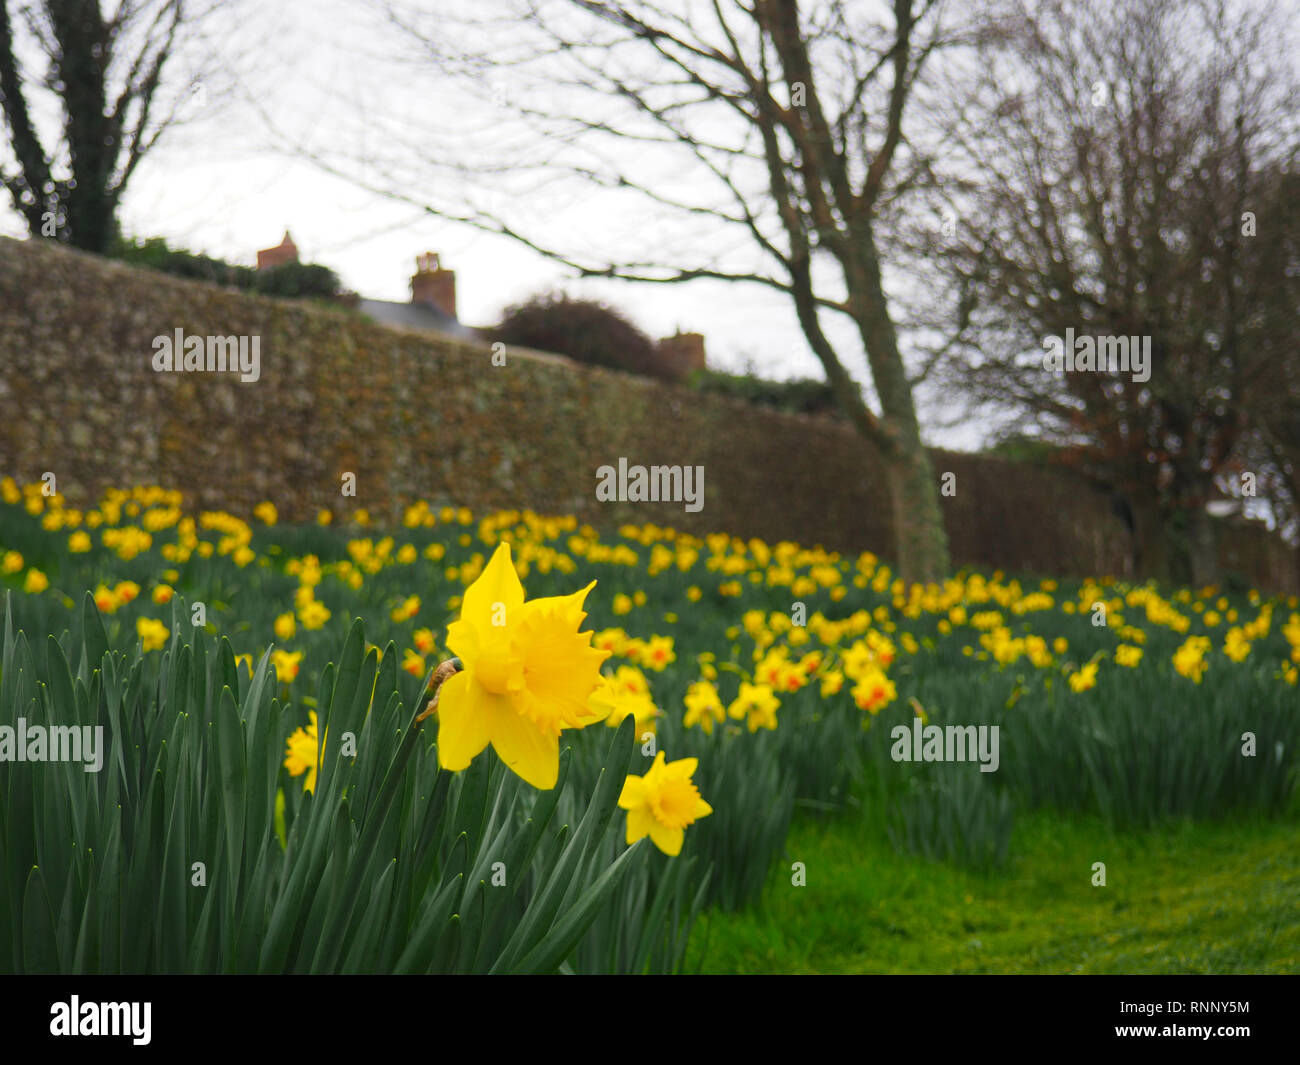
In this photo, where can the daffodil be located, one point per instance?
(663, 803)
(1128, 655)
(1189, 659)
(286, 664)
(832, 682)
(153, 633)
(527, 673)
(626, 692)
(300, 752)
(873, 691)
(756, 704)
(313, 614)
(703, 707)
(285, 626)
(413, 663)
(658, 653)
(1084, 679)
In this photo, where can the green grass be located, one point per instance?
(1188, 898)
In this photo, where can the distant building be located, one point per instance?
(682, 353)
(285, 252)
(432, 306)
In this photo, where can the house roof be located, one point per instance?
(415, 316)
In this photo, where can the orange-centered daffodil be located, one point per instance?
(527, 674)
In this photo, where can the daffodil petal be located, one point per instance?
(668, 840)
(640, 823)
(530, 752)
(463, 720)
(683, 767)
(497, 584)
(633, 793)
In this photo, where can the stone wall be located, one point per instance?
(418, 416)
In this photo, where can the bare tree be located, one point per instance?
(103, 66)
(787, 124)
(1106, 160)
(1271, 451)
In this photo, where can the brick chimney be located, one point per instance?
(433, 285)
(682, 353)
(286, 252)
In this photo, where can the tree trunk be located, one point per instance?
(1202, 547)
(921, 542)
(1151, 546)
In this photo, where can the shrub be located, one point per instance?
(155, 254)
(800, 396)
(297, 281)
(585, 330)
(288, 281)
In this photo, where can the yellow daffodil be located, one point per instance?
(1189, 659)
(527, 673)
(663, 803)
(1084, 678)
(413, 663)
(873, 691)
(756, 704)
(153, 633)
(285, 627)
(703, 707)
(300, 752)
(1128, 655)
(657, 653)
(313, 614)
(286, 664)
(832, 682)
(626, 692)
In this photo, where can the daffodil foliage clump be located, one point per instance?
(506, 743)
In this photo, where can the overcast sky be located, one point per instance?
(313, 71)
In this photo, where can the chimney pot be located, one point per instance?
(682, 353)
(432, 285)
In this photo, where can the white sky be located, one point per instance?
(219, 185)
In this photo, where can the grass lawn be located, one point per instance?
(1189, 898)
